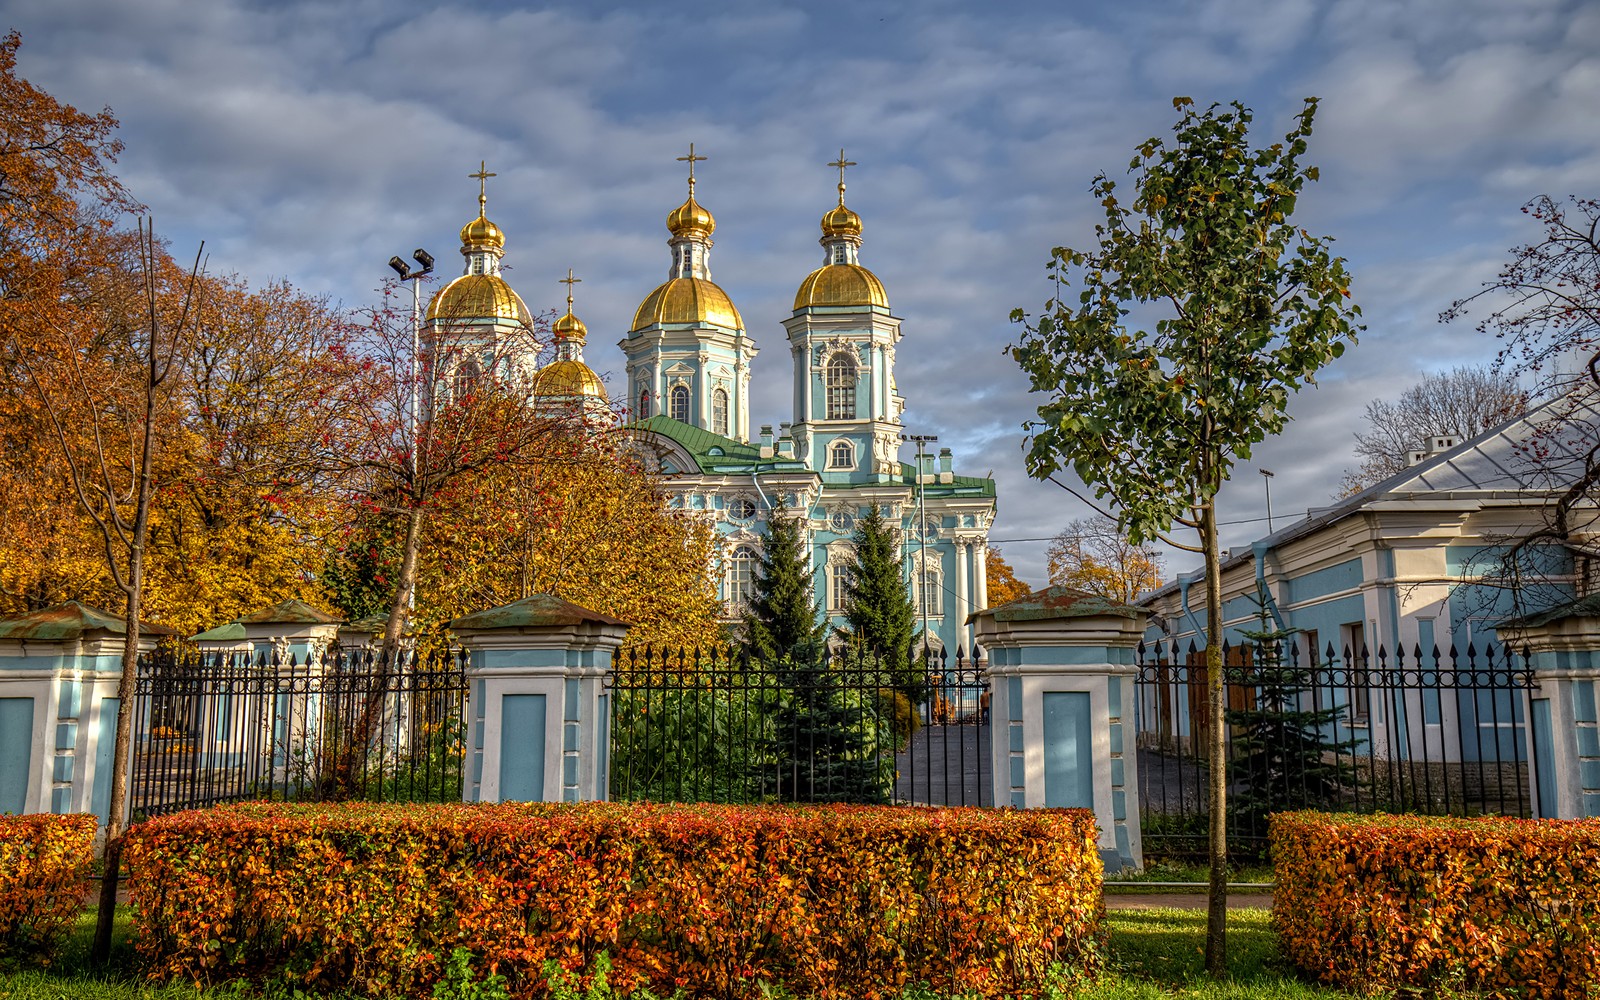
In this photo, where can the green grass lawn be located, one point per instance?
(1154, 953)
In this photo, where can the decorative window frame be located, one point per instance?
(837, 443)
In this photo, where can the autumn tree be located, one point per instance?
(1544, 308)
(1170, 348)
(1462, 402)
(1092, 554)
(1004, 586)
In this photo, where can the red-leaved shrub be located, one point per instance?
(43, 860)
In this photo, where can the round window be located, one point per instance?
(843, 521)
(741, 508)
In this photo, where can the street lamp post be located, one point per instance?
(405, 272)
(922, 531)
(1266, 478)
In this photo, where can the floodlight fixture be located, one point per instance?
(424, 258)
(400, 267)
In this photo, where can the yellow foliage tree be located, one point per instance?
(1003, 583)
(1092, 555)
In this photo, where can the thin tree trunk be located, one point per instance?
(1217, 752)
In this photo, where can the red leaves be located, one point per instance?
(43, 860)
(1486, 905)
(828, 902)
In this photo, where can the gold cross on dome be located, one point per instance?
(482, 177)
(842, 164)
(692, 160)
(569, 281)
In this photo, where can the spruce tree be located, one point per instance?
(783, 617)
(879, 615)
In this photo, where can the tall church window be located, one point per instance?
(719, 411)
(841, 456)
(838, 255)
(467, 376)
(644, 404)
(741, 577)
(841, 383)
(680, 403)
(932, 593)
(840, 576)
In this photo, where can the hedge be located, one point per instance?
(828, 901)
(43, 861)
(1506, 907)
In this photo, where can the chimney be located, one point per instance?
(945, 475)
(766, 440)
(785, 445)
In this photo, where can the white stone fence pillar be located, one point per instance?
(1062, 672)
(1563, 730)
(538, 715)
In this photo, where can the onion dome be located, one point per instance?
(479, 297)
(570, 328)
(841, 221)
(691, 218)
(481, 234)
(696, 301)
(841, 285)
(568, 378)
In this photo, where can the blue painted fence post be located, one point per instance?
(59, 668)
(538, 714)
(1062, 673)
(1564, 725)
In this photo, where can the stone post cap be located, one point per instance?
(541, 616)
(1570, 627)
(1059, 613)
(71, 621)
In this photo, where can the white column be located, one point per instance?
(963, 608)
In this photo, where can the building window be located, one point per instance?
(841, 455)
(842, 387)
(843, 522)
(1356, 665)
(840, 576)
(719, 411)
(477, 263)
(932, 593)
(741, 577)
(838, 255)
(468, 375)
(644, 404)
(680, 403)
(741, 508)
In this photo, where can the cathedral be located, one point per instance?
(687, 410)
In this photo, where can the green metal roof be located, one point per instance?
(1057, 602)
(69, 620)
(290, 612)
(538, 611)
(227, 632)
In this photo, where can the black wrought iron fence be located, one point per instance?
(345, 724)
(1432, 733)
(848, 726)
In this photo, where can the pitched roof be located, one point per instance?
(70, 620)
(1529, 454)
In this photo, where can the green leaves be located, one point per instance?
(1232, 310)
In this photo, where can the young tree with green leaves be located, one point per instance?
(1236, 307)
(783, 617)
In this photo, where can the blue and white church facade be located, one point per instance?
(688, 364)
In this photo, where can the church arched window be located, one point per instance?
(719, 411)
(644, 404)
(841, 455)
(741, 577)
(680, 403)
(840, 575)
(468, 374)
(932, 592)
(841, 382)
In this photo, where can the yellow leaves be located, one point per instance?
(43, 861)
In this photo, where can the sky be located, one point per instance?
(310, 141)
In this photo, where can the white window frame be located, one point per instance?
(848, 450)
(841, 390)
(719, 411)
(679, 394)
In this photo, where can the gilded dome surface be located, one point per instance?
(568, 378)
(691, 216)
(841, 285)
(841, 221)
(569, 327)
(479, 296)
(480, 234)
(688, 300)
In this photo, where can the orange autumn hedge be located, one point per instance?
(827, 901)
(1503, 906)
(43, 860)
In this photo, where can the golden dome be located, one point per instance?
(691, 218)
(479, 296)
(687, 300)
(841, 285)
(570, 327)
(840, 221)
(568, 378)
(481, 234)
